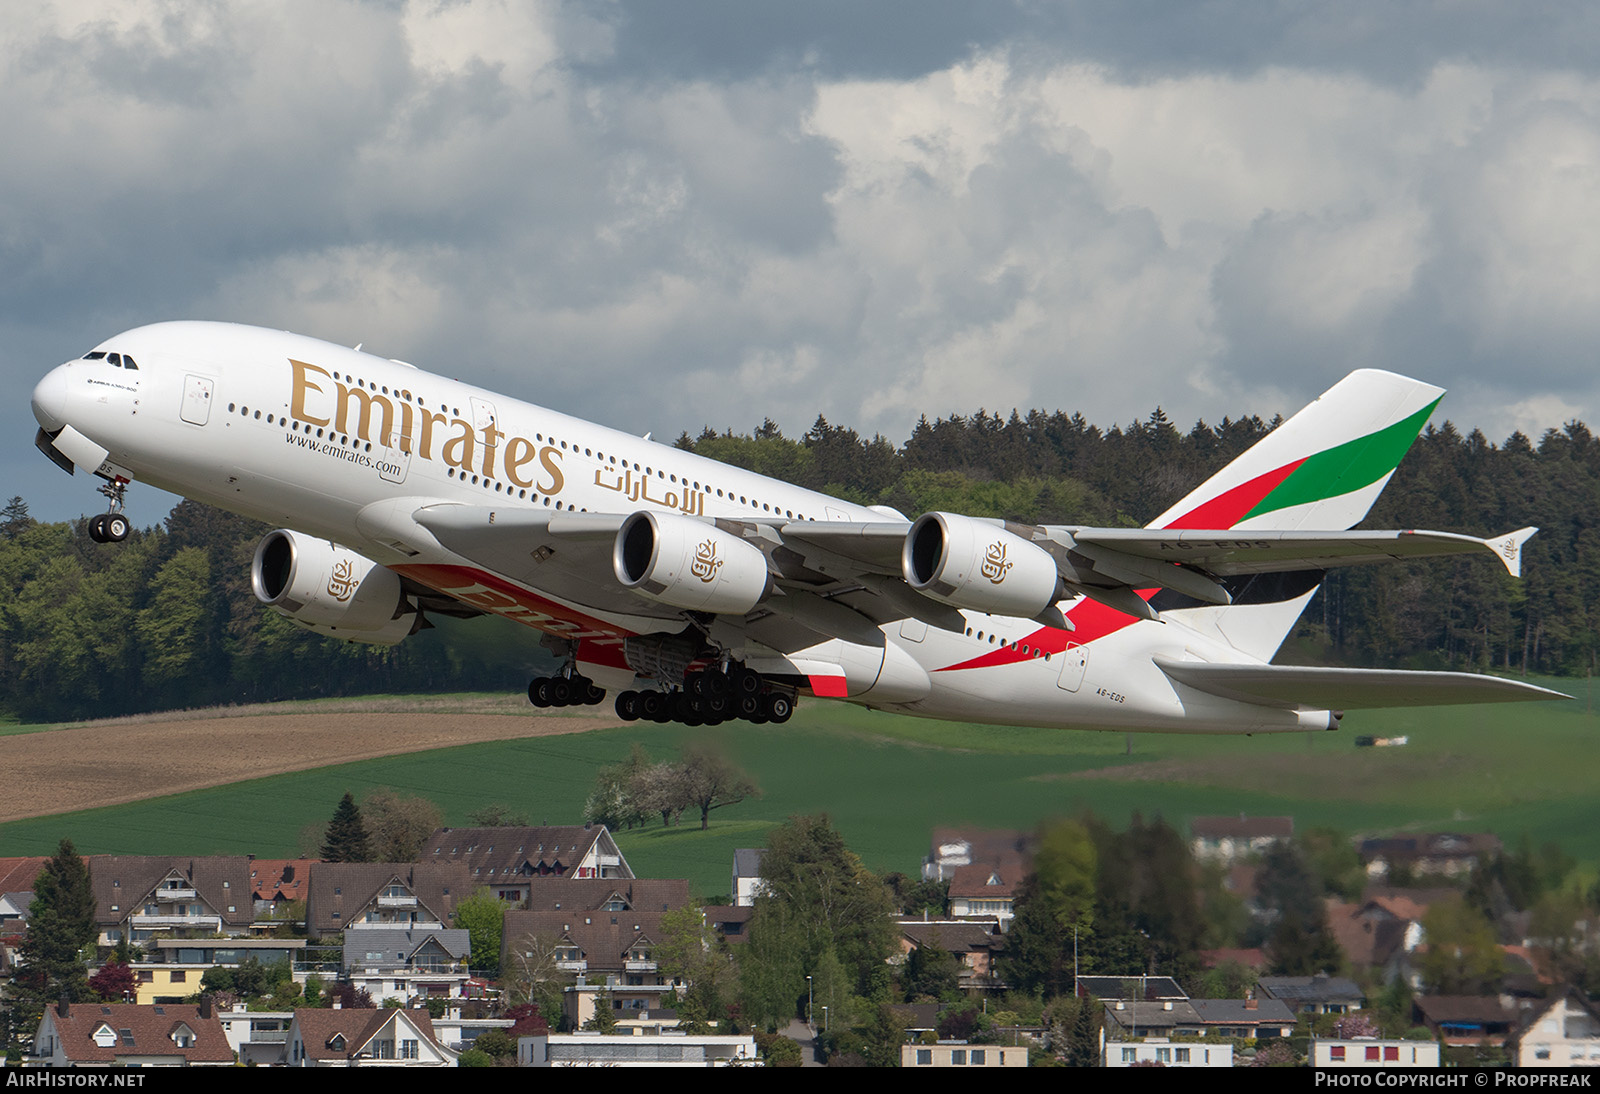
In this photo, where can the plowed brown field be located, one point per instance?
(123, 760)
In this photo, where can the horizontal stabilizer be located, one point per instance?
(1349, 689)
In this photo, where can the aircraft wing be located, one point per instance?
(846, 578)
(1349, 689)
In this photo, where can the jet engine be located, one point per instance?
(331, 590)
(980, 566)
(689, 564)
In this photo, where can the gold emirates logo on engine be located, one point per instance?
(706, 563)
(995, 564)
(342, 583)
(397, 423)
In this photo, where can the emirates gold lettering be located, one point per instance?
(317, 399)
(342, 583)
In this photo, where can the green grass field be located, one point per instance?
(887, 781)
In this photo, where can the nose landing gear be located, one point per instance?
(112, 527)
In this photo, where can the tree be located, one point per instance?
(14, 518)
(1462, 956)
(496, 815)
(346, 837)
(483, 915)
(115, 983)
(397, 826)
(1054, 909)
(817, 895)
(60, 925)
(531, 972)
(711, 781)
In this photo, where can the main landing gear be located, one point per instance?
(565, 691)
(111, 527)
(709, 698)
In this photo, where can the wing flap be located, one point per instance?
(1349, 689)
(1231, 553)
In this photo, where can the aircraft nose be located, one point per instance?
(50, 400)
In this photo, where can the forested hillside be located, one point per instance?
(167, 619)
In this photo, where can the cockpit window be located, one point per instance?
(117, 360)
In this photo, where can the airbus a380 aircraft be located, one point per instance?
(700, 592)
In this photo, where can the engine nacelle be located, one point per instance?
(689, 564)
(972, 564)
(330, 589)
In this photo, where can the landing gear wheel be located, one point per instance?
(749, 707)
(652, 706)
(97, 528)
(539, 691)
(628, 706)
(560, 691)
(115, 527)
(593, 696)
(777, 707)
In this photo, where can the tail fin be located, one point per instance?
(1320, 470)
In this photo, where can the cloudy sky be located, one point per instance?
(667, 215)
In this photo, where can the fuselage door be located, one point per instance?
(485, 421)
(393, 463)
(1074, 661)
(196, 409)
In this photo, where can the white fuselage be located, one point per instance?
(342, 445)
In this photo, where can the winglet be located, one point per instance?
(1508, 548)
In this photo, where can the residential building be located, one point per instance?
(975, 944)
(1152, 988)
(624, 1050)
(637, 1008)
(1255, 1018)
(1438, 854)
(987, 890)
(953, 848)
(615, 940)
(1563, 1032)
(407, 965)
(257, 1037)
(1156, 1050)
(365, 895)
(1372, 1052)
(1320, 994)
(145, 897)
(962, 1054)
(729, 920)
(385, 1037)
(130, 1035)
(506, 859)
(746, 879)
(179, 964)
(276, 883)
(1467, 1019)
(16, 890)
(1231, 839)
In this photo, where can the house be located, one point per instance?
(407, 964)
(1439, 854)
(1163, 1053)
(1378, 933)
(1320, 994)
(505, 859)
(1563, 1032)
(257, 1037)
(623, 1050)
(1130, 988)
(130, 1035)
(609, 943)
(976, 945)
(953, 848)
(386, 1037)
(384, 895)
(1466, 1019)
(1230, 839)
(16, 890)
(961, 1054)
(144, 897)
(1254, 1018)
(1131, 1019)
(729, 921)
(276, 883)
(986, 890)
(551, 894)
(638, 1009)
(1372, 1052)
(746, 877)
(179, 964)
